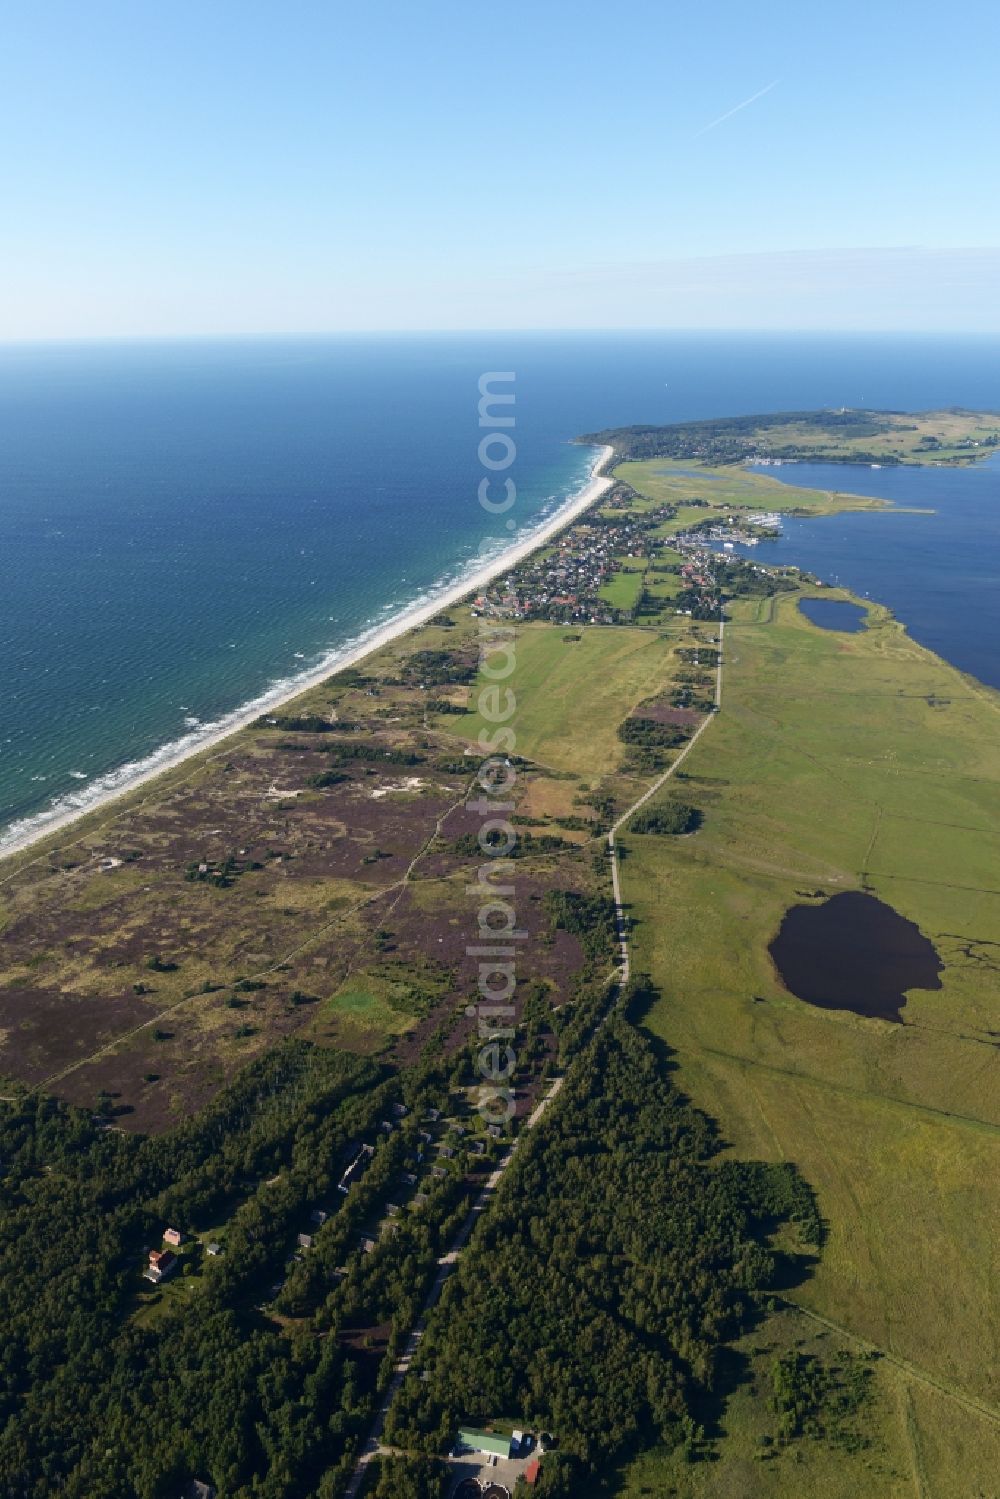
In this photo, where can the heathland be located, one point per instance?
(215, 992)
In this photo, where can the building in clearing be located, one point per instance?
(358, 1163)
(487, 1442)
(162, 1264)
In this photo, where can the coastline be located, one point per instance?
(117, 784)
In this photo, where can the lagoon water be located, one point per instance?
(939, 571)
(834, 614)
(184, 524)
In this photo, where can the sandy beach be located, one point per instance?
(121, 783)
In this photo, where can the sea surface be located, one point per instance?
(186, 525)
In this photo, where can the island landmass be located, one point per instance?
(735, 1234)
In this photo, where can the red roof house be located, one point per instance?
(162, 1262)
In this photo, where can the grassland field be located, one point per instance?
(851, 762)
(950, 437)
(838, 763)
(673, 481)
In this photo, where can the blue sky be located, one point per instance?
(245, 166)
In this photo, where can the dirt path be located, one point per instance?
(373, 1446)
(399, 886)
(621, 923)
(913, 1371)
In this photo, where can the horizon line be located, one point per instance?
(243, 335)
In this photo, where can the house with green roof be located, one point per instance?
(488, 1442)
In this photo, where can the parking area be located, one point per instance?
(486, 1464)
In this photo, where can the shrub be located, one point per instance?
(671, 817)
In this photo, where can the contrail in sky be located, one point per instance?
(737, 107)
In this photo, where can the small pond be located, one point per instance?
(854, 952)
(834, 614)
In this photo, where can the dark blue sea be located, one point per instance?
(187, 526)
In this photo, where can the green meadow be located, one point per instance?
(670, 481)
(573, 688)
(843, 762)
(622, 591)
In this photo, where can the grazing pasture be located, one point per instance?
(850, 763)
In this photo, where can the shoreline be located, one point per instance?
(25, 833)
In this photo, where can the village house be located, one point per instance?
(162, 1264)
(357, 1166)
(173, 1236)
(489, 1443)
(198, 1490)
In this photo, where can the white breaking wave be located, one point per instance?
(494, 556)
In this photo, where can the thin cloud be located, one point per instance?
(736, 109)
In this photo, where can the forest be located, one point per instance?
(109, 1388)
(617, 1258)
(730, 439)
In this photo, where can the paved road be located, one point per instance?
(621, 923)
(446, 1265)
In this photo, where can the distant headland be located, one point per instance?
(842, 435)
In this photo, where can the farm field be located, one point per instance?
(838, 762)
(574, 688)
(676, 481)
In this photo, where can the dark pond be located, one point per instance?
(854, 952)
(834, 614)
